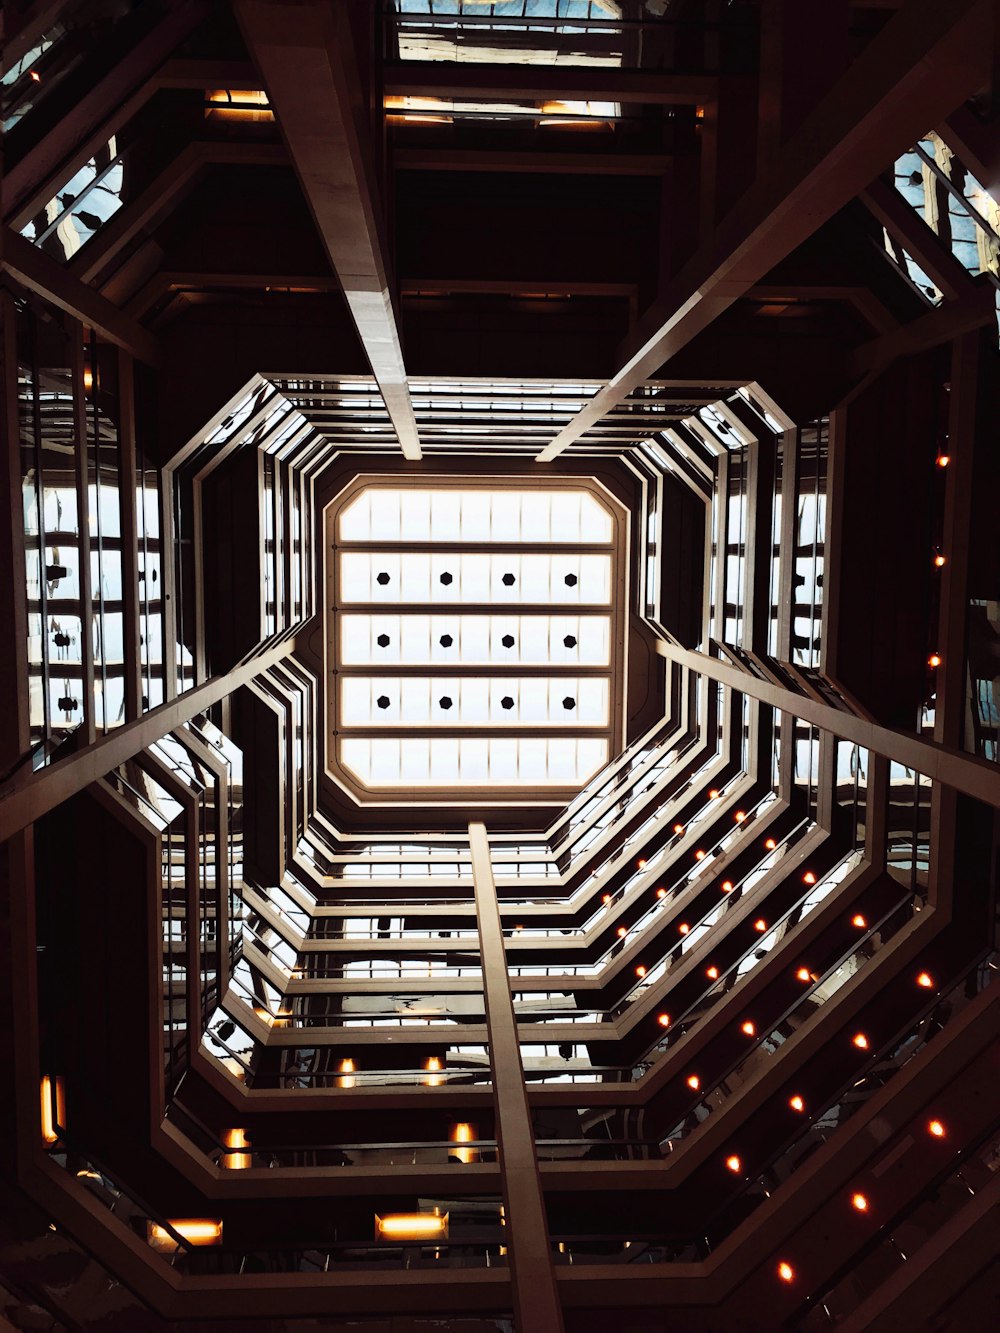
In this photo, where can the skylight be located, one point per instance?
(474, 638)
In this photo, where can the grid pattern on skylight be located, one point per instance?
(473, 637)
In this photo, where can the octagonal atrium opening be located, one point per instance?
(475, 637)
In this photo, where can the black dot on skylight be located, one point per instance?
(446, 578)
(446, 641)
(569, 641)
(570, 580)
(569, 703)
(445, 701)
(508, 580)
(508, 641)
(382, 578)
(507, 702)
(383, 641)
(383, 701)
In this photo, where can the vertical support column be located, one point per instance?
(15, 735)
(788, 538)
(130, 534)
(20, 1043)
(536, 1297)
(962, 414)
(82, 462)
(952, 609)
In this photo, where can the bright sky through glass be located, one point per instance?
(474, 646)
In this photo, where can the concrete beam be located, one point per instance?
(306, 57)
(923, 63)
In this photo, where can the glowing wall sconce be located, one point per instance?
(461, 1133)
(433, 1066)
(192, 1231)
(411, 1226)
(53, 1107)
(233, 1159)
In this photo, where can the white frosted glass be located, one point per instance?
(388, 514)
(477, 640)
(476, 701)
(447, 761)
(415, 576)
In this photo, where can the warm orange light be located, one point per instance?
(699, 855)
(747, 1028)
(786, 1272)
(809, 877)
(622, 931)
(699, 113)
(796, 1103)
(463, 1133)
(926, 980)
(53, 1107)
(770, 844)
(412, 1226)
(727, 886)
(519, 927)
(940, 561)
(233, 1139)
(693, 1082)
(860, 1202)
(433, 1066)
(712, 973)
(934, 660)
(860, 1041)
(935, 1128)
(88, 378)
(192, 1230)
(605, 898)
(661, 893)
(713, 795)
(640, 971)
(740, 816)
(733, 1162)
(36, 76)
(859, 921)
(684, 928)
(640, 865)
(760, 924)
(803, 974)
(346, 1067)
(678, 828)
(663, 1020)
(245, 104)
(943, 460)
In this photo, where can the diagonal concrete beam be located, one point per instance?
(925, 62)
(40, 273)
(306, 56)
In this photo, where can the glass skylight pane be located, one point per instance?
(446, 761)
(440, 600)
(424, 577)
(477, 516)
(387, 640)
(475, 701)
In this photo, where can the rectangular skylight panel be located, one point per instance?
(475, 701)
(560, 517)
(475, 640)
(423, 577)
(446, 761)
